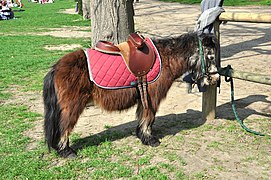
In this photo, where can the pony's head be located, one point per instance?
(202, 64)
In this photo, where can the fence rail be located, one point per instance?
(248, 76)
(245, 17)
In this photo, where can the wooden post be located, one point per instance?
(209, 97)
(209, 103)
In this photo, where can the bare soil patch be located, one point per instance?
(69, 11)
(68, 32)
(63, 47)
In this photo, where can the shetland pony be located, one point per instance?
(67, 88)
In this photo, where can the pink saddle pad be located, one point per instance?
(110, 71)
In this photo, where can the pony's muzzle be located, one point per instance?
(213, 75)
(213, 78)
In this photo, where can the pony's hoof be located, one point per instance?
(154, 142)
(151, 141)
(147, 139)
(67, 153)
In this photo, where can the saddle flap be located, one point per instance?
(141, 60)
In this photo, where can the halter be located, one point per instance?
(195, 80)
(203, 69)
(201, 57)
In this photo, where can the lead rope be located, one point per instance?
(230, 79)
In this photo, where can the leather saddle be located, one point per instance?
(138, 55)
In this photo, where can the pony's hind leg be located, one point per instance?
(66, 92)
(69, 117)
(74, 92)
(146, 119)
(56, 134)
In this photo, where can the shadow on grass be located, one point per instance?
(174, 123)
(18, 10)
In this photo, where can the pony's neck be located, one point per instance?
(175, 53)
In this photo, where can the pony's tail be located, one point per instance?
(52, 112)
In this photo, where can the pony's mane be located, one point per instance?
(184, 50)
(183, 45)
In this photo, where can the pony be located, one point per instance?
(67, 88)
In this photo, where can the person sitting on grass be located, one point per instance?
(5, 12)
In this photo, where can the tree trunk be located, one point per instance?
(111, 20)
(86, 9)
(79, 5)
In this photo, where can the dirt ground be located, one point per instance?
(246, 46)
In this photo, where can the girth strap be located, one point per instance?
(142, 86)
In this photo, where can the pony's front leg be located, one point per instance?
(146, 119)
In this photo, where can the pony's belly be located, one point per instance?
(114, 100)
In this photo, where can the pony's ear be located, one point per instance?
(209, 40)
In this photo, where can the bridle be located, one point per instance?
(193, 77)
(204, 73)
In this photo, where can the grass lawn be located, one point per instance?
(227, 2)
(23, 64)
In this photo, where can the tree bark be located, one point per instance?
(79, 5)
(111, 20)
(86, 9)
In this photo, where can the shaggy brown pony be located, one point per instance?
(67, 89)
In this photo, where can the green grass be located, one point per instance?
(25, 67)
(14, 157)
(24, 62)
(36, 16)
(227, 2)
